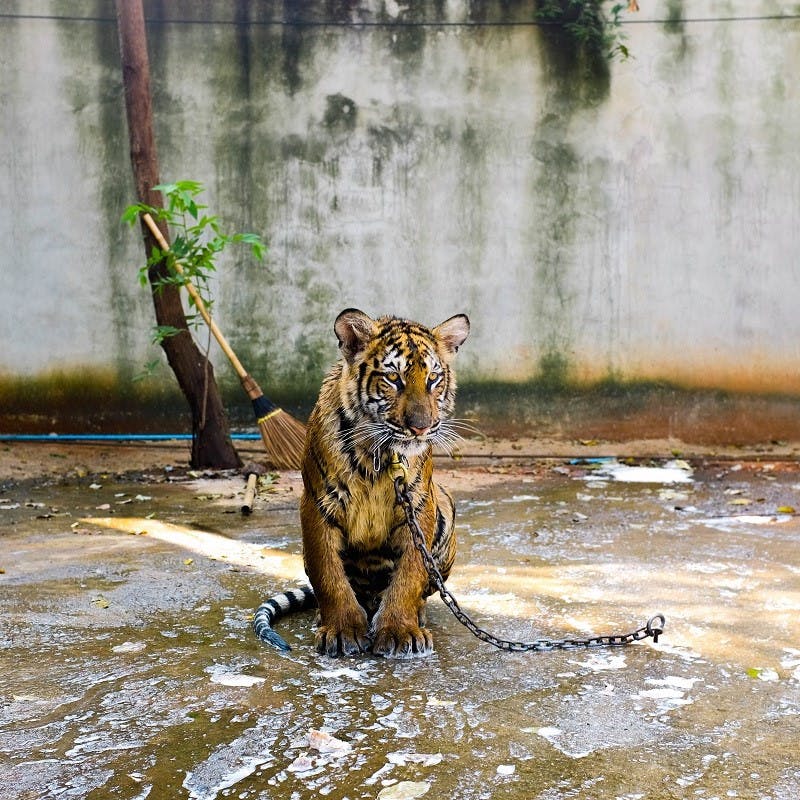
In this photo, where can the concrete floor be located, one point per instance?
(128, 669)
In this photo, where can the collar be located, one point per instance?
(397, 467)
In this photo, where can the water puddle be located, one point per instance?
(741, 522)
(675, 471)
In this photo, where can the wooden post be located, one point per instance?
(211, 442)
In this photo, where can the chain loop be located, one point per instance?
(653, 629)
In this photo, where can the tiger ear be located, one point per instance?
(353, 329)
(453, 332)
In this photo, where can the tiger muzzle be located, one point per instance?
(419, 421)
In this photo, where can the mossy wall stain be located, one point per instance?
(80, 401)
(97, 104)
(341, 114)
(676, 28)
(576, 76)
(577, 67)
(304, 165)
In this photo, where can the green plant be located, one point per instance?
(588, 23)
(197, 242)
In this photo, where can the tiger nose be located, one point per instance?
(418, 422)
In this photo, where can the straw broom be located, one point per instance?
(283, 435)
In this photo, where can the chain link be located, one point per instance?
(653, 629)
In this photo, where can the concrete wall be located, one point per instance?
(637, 220)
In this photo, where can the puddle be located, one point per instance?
(742, 521)
(161, 691)
(610, 469)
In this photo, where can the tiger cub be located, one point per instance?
(391, 392)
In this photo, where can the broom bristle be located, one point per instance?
(284, 437)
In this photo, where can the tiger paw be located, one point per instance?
(402, 641)
(344, 637)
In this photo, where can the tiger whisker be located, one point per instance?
(445, 445)
(466, 426)
(448, 434)
(362, 433)
(446, 437)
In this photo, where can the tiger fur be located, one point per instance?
(391, 393)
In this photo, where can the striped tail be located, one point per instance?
(277, 606)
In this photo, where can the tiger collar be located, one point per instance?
(392, 463)
(397, 467)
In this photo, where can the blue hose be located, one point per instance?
(110, 437)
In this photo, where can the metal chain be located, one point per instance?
(653, 629)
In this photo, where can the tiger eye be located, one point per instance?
(393, 377)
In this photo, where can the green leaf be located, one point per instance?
(257, 245)
(162, 332)
(131, 215)
(197, 240)
(181, 247)
(166, 188)
(204, 222)
(149, 368)
(190, 187)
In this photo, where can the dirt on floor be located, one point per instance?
(474, 461)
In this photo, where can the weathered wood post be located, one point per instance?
(211, 442)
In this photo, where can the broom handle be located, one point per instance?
(201, 307)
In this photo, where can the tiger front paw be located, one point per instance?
(402, 641)
(344, 636)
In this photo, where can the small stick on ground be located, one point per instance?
(251, 471)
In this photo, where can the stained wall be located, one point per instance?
(634, 220)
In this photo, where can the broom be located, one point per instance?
(283, 435)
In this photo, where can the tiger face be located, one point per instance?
(399, 379)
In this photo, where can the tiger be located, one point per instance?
(390, 396)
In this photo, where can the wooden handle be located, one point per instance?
(249, 493)
(198, 301)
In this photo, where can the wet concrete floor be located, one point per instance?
(128, 668)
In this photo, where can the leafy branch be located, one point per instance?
(589, 24)
(197, 241)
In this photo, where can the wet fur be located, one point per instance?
(391, 392)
